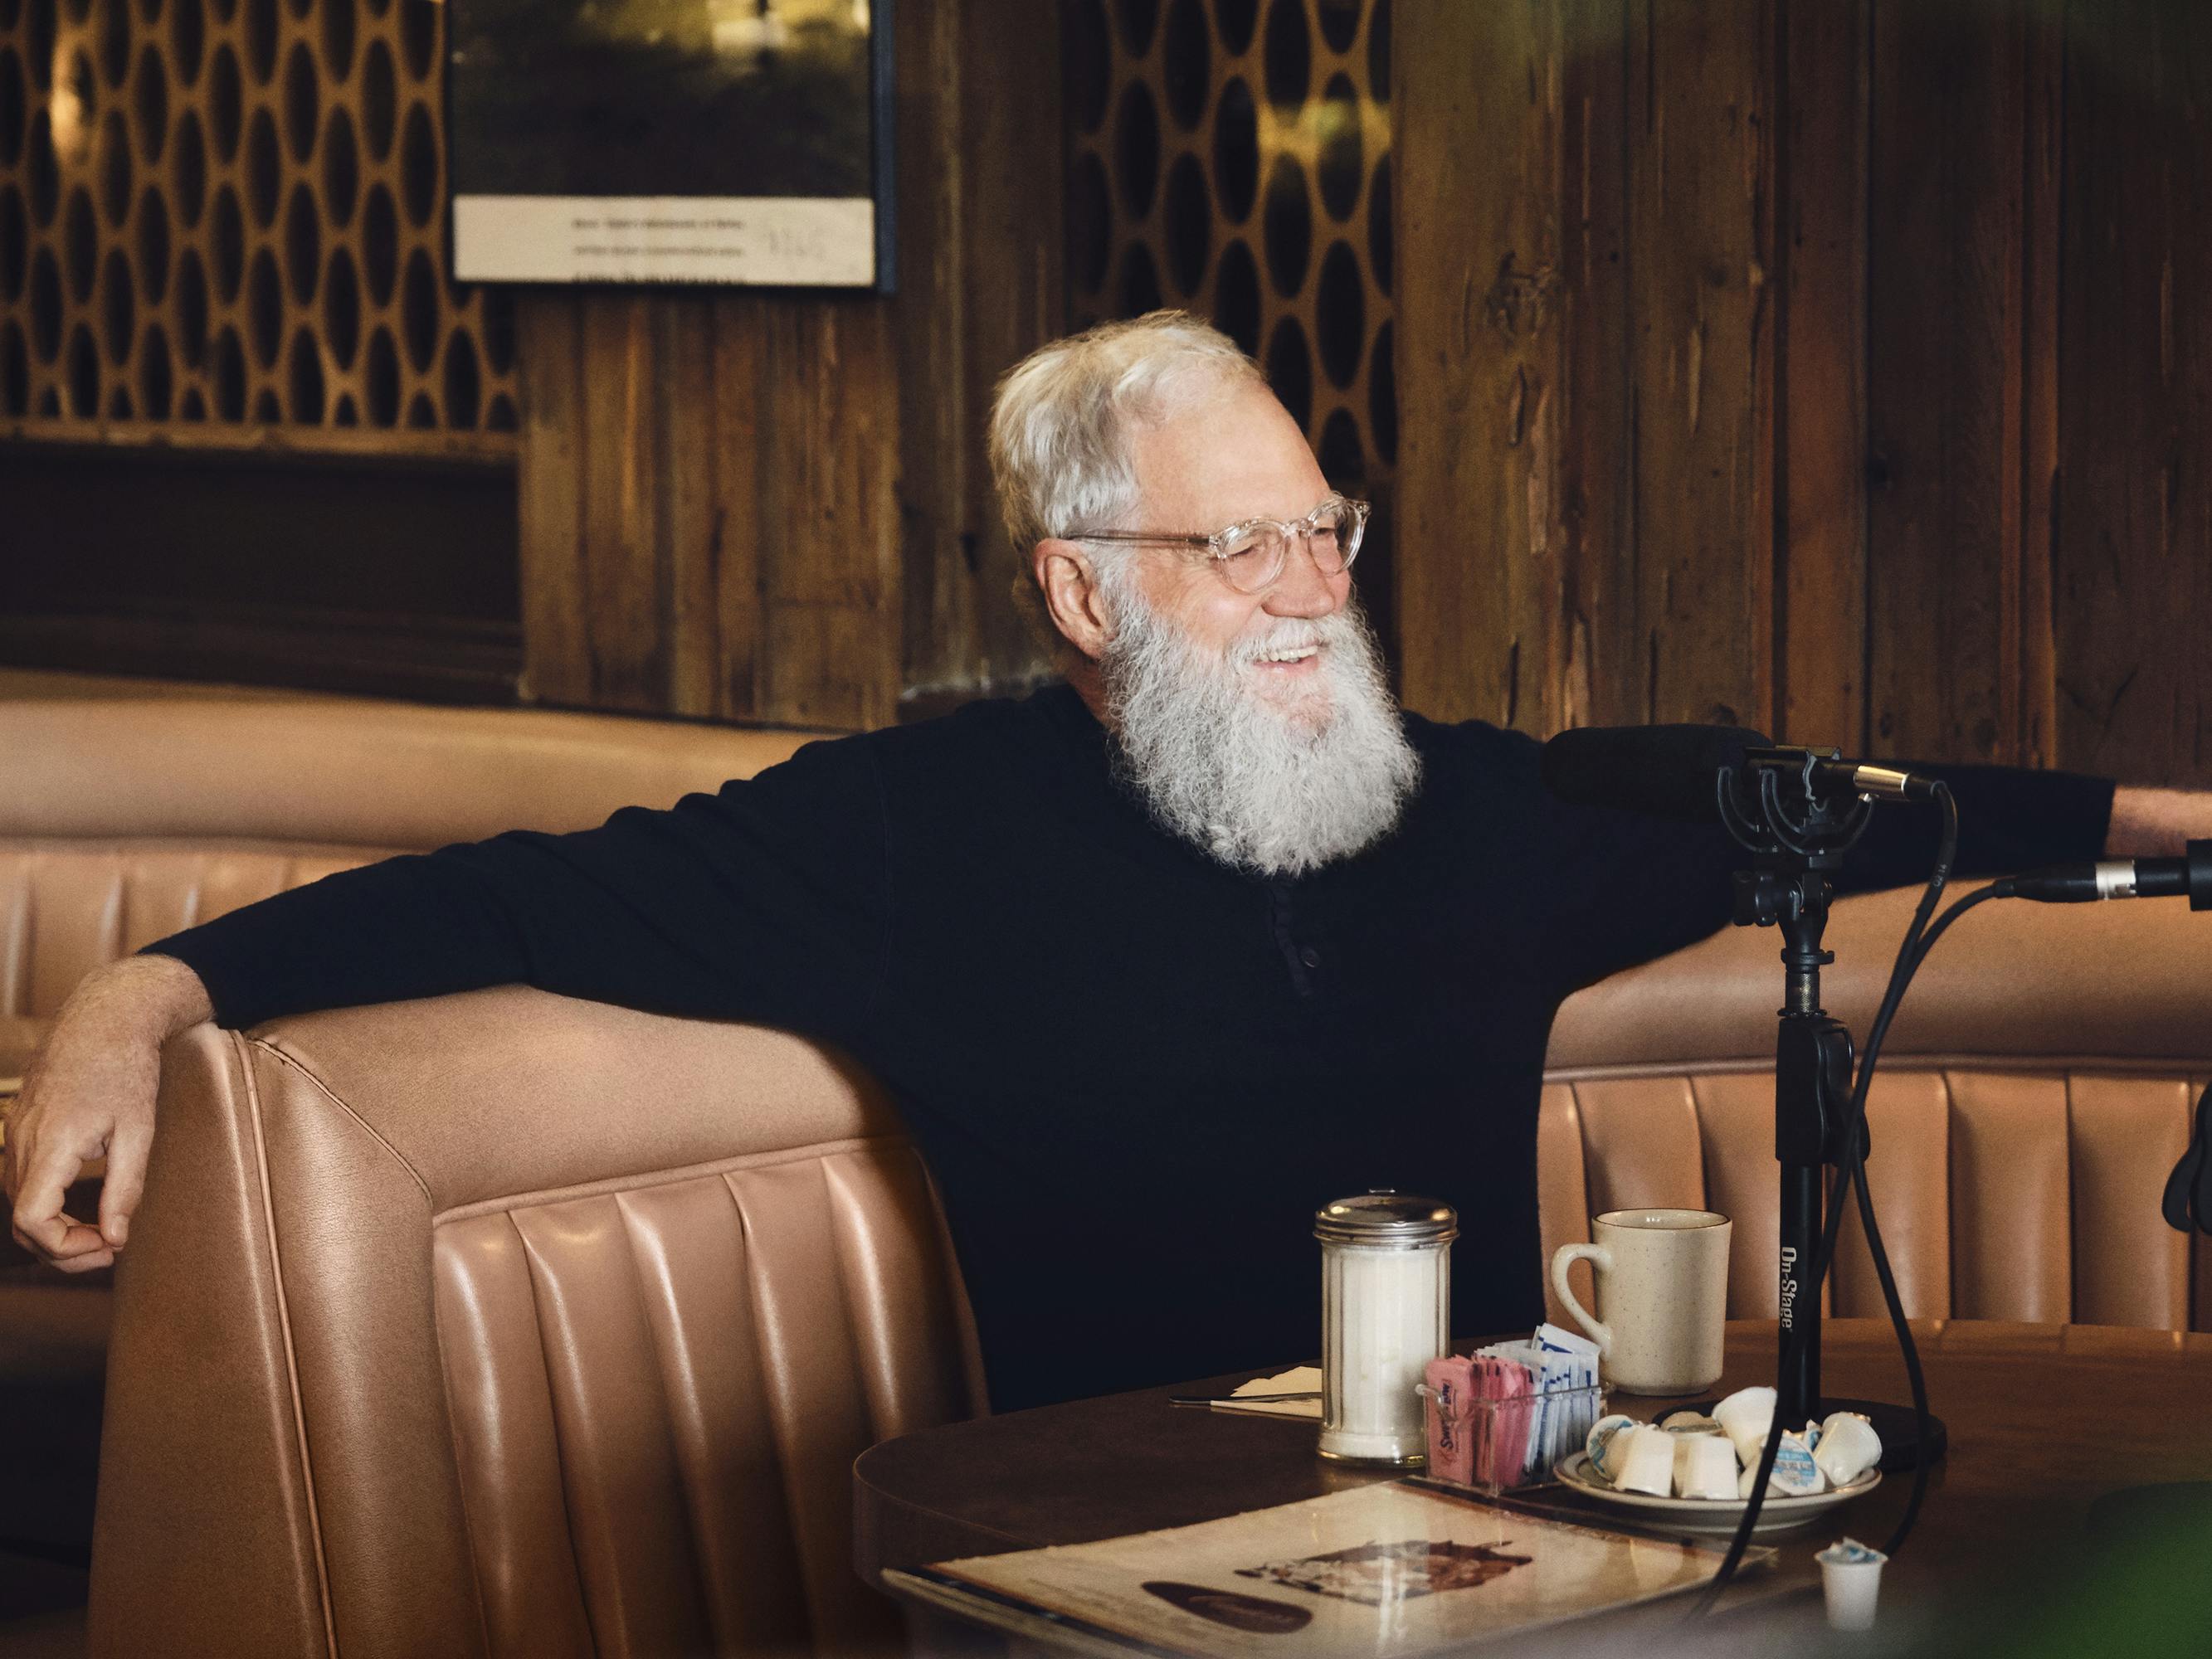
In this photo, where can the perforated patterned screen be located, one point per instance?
(232, 211)
(1233, 157)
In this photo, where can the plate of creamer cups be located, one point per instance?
(1692, 1474)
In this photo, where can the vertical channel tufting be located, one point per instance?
(1735, 1134)
(79, 900)
(234, 879)
(691, 1254)
(1908, 1172)
(17, 921)
(617, 1453)
(815, 1396)
(67, 908)
(1563, 1207)
(2200, 1246)
(899, 1289)
(2011, 1252)
(505, 1443)
(2125, 1135)
(1640, 1143)
(159, 889)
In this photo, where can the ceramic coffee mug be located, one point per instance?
(1662, 1289)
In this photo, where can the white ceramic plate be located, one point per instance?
(1714, 1516)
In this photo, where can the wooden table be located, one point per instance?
(2044, 1419)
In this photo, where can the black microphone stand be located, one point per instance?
(1798, 830)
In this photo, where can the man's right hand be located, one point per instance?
(89, 1093)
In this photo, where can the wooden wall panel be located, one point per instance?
(1946, 260)
(2134, 551)
(1912, 384)
(774, 505)
(1593, 495)
(1482, 368)
(1822, 407)
(982, 283)
(1701, 357)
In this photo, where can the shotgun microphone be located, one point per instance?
(2188, 877)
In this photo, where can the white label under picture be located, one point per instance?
(775, 241)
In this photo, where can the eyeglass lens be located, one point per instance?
(1254, 557)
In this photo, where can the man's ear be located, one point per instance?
(1070, 589)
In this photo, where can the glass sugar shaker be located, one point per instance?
(1385, 1313)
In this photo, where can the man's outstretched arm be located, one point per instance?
(90, 1094)
(2149, 823)
(765, 902)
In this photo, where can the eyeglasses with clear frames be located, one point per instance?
(1250, 555)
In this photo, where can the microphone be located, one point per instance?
(2188, 877)
(1668, 771)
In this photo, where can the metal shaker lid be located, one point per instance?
(1385, 1217)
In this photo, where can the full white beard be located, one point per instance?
(1276, 784)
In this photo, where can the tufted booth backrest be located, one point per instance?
(125, 819)
(512, 1326)
(2037, 1087)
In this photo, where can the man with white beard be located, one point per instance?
(1155, 962)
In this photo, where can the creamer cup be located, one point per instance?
(1795, 1474)
(1606, 1441)
(1850, 1582)
(1848, 1447)
(1647, 1462)
(1745, 1417)
(1704, 1466)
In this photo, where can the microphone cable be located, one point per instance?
(1920, 938)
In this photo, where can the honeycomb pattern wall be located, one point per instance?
(232, 212)
(1233, 157)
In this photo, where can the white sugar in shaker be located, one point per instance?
(1385, 1312)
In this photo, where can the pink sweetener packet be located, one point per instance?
(1450, 1410)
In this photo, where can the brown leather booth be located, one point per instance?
(124, 818)
(502, 1324)
(505, 1324)
(2036, 1090)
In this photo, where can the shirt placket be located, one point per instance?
(1302, 955)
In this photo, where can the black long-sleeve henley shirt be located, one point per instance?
(1135, 1071)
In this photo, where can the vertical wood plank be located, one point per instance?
(622, 568)
(981, 284)
(692, 449)
(1945, 281)
(1701, 219)
(1478, 358)
(830, 554)
(550, 500)
(1821, 407)
(1596, 632)
(2031, 687)
(744, 417)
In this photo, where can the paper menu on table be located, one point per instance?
(1387, 1569)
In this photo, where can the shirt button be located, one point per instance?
(1310, 956)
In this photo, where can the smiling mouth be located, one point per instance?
(1288, 656)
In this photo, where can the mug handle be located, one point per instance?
(1598, 1256)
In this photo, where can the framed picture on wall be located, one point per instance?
(670, 141)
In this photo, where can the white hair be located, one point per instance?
(1064, 423)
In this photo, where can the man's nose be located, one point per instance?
(1301, 590)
